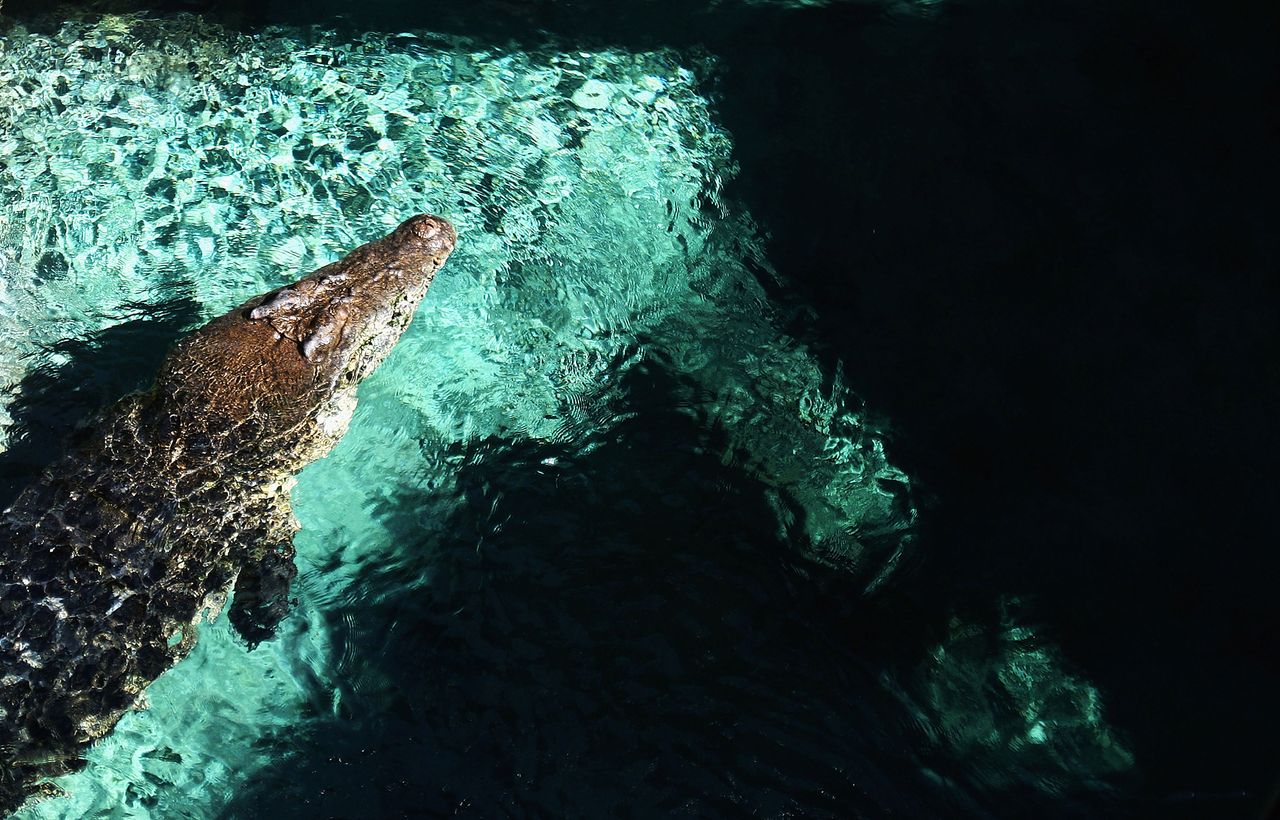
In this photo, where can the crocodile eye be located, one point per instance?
(311, 344)
(287, 301)
(328, 332)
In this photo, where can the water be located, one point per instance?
(608, 534)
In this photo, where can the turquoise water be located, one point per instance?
(603, 292)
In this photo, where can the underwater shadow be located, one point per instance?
(74, 379)
(611, 630)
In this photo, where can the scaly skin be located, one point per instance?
(110, 559)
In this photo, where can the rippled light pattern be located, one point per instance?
(144, 158)
(585, 185)
(160, 161)
(1000, 697)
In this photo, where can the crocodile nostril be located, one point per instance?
(424, 228)
(431, 231)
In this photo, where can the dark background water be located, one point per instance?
(1042, 239)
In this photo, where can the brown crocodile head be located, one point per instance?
(117, 549)
(275, 378)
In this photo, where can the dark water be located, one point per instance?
(651, 651)
(1041, 241)
(1049, 254)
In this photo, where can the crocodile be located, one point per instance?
(177, 498)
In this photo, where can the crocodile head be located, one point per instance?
(274, 379)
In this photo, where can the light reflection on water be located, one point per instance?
(593, 395)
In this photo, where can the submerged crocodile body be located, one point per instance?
(181, 494)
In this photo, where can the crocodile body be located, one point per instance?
(179, 497)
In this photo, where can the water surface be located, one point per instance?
(606, 535)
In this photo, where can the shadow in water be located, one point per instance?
(73, 379)
(610, 630)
